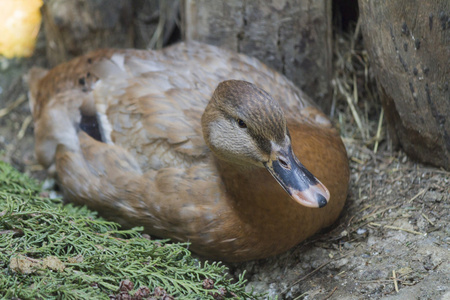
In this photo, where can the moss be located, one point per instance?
(49, 250)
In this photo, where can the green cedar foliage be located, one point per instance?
(53, 251)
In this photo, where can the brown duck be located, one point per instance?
(195, 143)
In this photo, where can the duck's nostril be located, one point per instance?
(284, 163)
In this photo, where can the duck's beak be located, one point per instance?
(296, 180)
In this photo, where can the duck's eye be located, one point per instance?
(241, 123)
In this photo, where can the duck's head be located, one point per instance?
(243, 124)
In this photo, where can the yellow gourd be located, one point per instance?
(19, 26)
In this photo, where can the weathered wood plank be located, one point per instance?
(292, 36)
(409, 45)
(73, 27)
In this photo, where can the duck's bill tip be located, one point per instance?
(316, 196)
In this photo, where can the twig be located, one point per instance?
(423, 215)
(10, 107)
(357, 160)
(356, 33)
(377, 136)
(312, 272)
(431, 170)
(348, 97)
(375, 281)
(436, 266)
(24, 127)
(396, 228)
(364, 208)
(156, 42)
(36, 167)
(304, 294)
(369, 152)
(394, 277)
(331, 293)
(418, 194)
(378, 212)
(333, 104)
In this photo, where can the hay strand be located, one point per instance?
(5, 111)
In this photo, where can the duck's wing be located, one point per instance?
(135, 98)
(151, 107)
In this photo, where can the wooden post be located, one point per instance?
(409, 45)
(292, 36)
(73, 27)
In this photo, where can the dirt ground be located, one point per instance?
(391, 242)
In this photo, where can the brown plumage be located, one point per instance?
(188, 153)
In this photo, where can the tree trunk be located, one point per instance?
(292, 36)
(409, 45)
